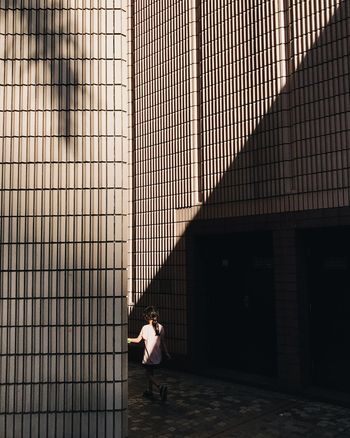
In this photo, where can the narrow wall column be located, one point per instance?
(287, 309)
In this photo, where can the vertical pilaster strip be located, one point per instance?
(195, 101)
(131, 149)
(287, 308)
(285, 85)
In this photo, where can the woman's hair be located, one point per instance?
(151, 314)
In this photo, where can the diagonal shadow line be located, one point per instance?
(49, 41)
(308, 86)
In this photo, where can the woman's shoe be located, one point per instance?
(163, 391)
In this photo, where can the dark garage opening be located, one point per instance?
(327, 280)
(234, 321)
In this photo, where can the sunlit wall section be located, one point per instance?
(63, 196)
(161, 151)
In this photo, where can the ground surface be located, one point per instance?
(203, 408)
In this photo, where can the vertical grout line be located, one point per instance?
(111, 11)
(109, 170)
(92, 219)
(25, 223)
(29, 145)
(68, 134)
(9, 282)
(92, 247)
(20, 247)
(67, 273)
(61, 188)
(86, 238)
(79, 75)
(81, 143)
(132, 151)
(102, 233)
(41, 177)
(3, 295)
(50, 245)
(100, 210)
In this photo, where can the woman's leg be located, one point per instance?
(151, 380)
(163, 390)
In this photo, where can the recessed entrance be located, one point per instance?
(328, 284)
(234, 324)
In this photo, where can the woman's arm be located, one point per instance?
(135, 340)
(165, 347)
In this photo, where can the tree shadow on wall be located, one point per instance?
(44, 37)
(298, 153)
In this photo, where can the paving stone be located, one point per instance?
(198, 407)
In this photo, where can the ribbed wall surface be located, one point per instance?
(162, 144)
(242, 130)
(274, 109)
(63, 105)
(320, 107)
(240, 104)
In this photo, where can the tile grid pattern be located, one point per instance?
(161, 152)
(63, 201)
(274, 127)
(240, 53)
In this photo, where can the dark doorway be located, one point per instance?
(328, 284)
(234, 303)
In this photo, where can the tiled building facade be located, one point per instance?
(239, 134)
(63, 126)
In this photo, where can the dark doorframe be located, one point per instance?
(326, 281)
(232, 310)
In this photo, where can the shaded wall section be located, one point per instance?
(273, 138)
(63, 105)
